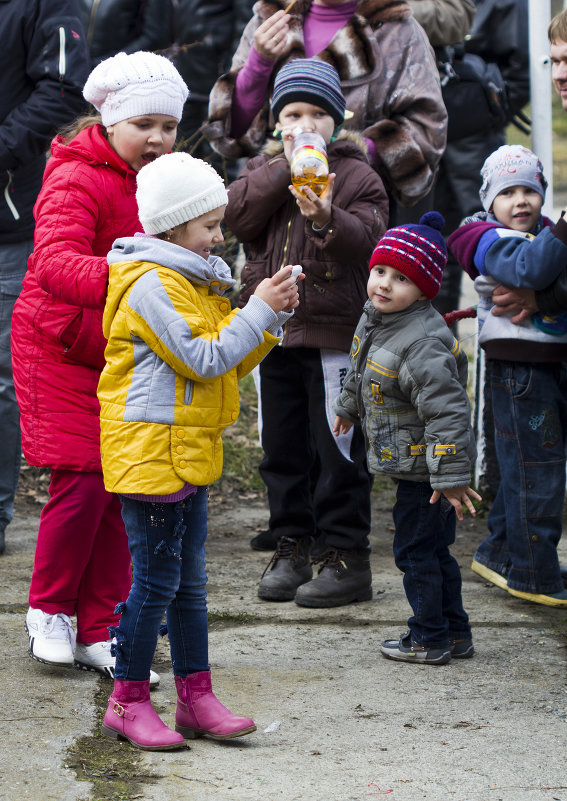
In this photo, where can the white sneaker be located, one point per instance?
(52, 637)
(97, 656)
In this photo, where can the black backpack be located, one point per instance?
(474, 93)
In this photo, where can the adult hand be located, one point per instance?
(519, 302)
(270, 39)
(316, 208)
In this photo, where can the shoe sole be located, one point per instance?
(267, 595)
(193, 734)
(39, 659)
(329, 603)
(107, 672)
(443, 660)
(115, 735)
(468, 654)
(535, 598)
(270, 594)
(489, 575)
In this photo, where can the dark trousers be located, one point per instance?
(525, 521)
(432, 578)
(317, 484)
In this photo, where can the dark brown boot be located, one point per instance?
(344, 577)
(288, 568)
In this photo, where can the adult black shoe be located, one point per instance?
(2, 541)
(266, 540)
(343, 578)
(288, 568)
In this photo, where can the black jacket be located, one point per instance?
(500, 33)
(114, 26)
(43, 67)
(207, 33)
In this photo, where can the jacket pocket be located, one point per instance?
(189, 387)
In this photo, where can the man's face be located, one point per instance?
(558, 53)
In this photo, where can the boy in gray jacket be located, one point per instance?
(406, 387)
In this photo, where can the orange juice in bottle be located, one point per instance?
(309, 165)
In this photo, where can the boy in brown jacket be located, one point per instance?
(318, 486)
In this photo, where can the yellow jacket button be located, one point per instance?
(180, 449)
(182, 463)
(234, 415)
(180, 433)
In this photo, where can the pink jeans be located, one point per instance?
(82, 562)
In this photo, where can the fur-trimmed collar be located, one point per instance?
(274, 147)
(350, 51)
(373, 11)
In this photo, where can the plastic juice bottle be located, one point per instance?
(309, 165)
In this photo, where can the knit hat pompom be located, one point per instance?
(417, 251)
(135, 84)
(309, 80)
(510, 165)
(176, 188)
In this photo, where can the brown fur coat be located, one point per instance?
(389, 79)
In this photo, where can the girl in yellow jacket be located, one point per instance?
(169, 388)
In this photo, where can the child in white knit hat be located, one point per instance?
(170, 387)
(82, 563)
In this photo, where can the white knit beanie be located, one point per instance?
(510, 165)
(135, 84)
(176, 188)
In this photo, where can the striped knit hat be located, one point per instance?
(309, 80)
(417, 251)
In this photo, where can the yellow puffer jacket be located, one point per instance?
(174, 356)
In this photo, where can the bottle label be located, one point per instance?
(311, 152)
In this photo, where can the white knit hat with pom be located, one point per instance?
(176, 188)
(135, 84)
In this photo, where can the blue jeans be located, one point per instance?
(167, 545)
(530, 421)
(432, 578)
(13, 264)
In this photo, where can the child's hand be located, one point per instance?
(456, 497)
(316, 208)
(280, 291)
(341, 425)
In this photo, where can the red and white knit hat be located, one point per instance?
(417, 251)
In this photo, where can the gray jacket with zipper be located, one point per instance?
(406, 387)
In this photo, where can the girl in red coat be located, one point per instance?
(82, 563)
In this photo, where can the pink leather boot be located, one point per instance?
(131, 716)
(200, 713)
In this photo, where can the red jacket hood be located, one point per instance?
(90, 146)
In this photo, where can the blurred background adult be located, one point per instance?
(43, 66)
(126, 25)
(388, 76)
(207, 34)
(499, 35)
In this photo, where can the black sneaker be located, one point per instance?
(405, 650)
(461, 649)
